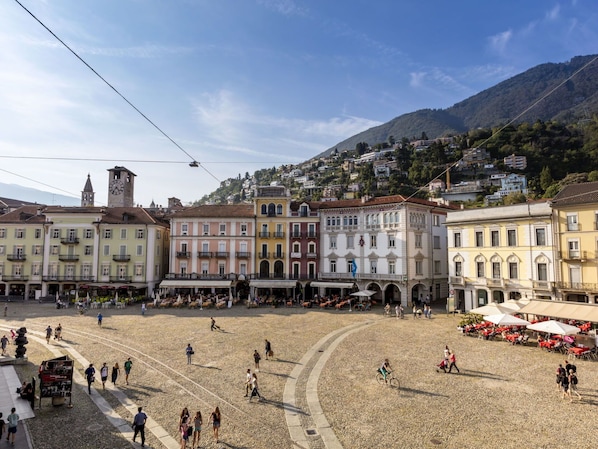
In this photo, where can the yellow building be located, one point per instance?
(576, 230)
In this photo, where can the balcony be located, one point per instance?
(264, 235)
(200, 276)
(243, 255)
(542, 285)
(279, 276)
(263, 255)
(303, 277)
(278, 255)
(295, 255)
(578, 286)
(14, 277)
(19, 257)
(457, 280)
(222, 254)
(312, 235)
(121, 257)
(296, 235)
(576, 255)
(68, 257)
(495, 282)
(70, 241)
(312, 255)
(362, 277)
(278, 235)
(121, 278)
(67, 278)
(183, 254)
(204, 254)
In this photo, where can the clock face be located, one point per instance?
(116, 187)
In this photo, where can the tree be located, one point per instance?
(361, 148)
(545, 178)
(514, 198)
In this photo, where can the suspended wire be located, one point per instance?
(193, 163)
(36, 181)
(509, 123)
(143, 161)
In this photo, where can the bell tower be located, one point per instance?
(121, 187)
(87, 194)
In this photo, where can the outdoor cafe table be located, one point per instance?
(512, 337)
(579, 350)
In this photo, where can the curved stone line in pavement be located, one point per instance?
(296, 431)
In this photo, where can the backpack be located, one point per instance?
(574, 379)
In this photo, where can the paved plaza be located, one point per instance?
(320, 390)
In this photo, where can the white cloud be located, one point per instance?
(554, 13)
(499, 41)
(285, 7)
(417, 79)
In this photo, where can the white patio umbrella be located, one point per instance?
(116, 296)
(363, 293)
(57, 296)
(88, 299)
(77, 295)
(505, 319)
(515, 304)
(554, 327)
(492, 309)
(179, 299)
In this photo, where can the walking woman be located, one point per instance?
(184, 432)
(254, 388)
(115, 372)
(215, 418)
(197, 423)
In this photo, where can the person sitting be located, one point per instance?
(385, 369)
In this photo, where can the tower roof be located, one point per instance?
(88, 187)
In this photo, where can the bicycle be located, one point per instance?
(391, 380)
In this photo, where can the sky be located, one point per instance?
(241, 85)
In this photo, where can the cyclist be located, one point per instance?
(385, 369)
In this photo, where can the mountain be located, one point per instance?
(575, 99)
(28, 194)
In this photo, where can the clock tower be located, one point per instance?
(120, 187)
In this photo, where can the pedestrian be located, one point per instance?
(189, 351)
(447, 353)
(4, 344)
(2, 426)
(13, 420)
(90, 376)
(184, 416)
(143, 308)
(254, 388)
(100, 319)
(397, 311)
(256, 360)
(560, 374)
(565, 384)
(104, 375)
(573, 385)
(453, 360)
(184, 429)
(215, 418)
(213, 324)
(268, 349)
(247, 382)
(6, 310)
(139, 425)
(58, 332)
(197, 423)
(128, 366)
(414, 310)
(115, 372)
(48, 333)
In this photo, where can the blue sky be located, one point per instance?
(246, 84)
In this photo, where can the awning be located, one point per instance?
(332, 284)
(191, 283)
(106, 285)
(562, 309)
(272, 283)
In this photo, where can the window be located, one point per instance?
(139, 250)
(419, 268)
(106, 250)
(480, 269)
(86, 271)
(205, 247)
(350, 241)
(107, 233)
(479, 239)
(184, 229)
(311, 248)
(243, 268)
(349, 266)
(311, 230)
(243, 229)
(221, 247)
(458, 268)
(106, 270)
(158, 236)
(55, 233)
(123, 233)
(511, 237)
(391, 241)
(88, 233)
(278, 251)
(573, 249)
(572, 222)
(222, 229)
(140, 233)
(296, 247)
(138, 270)
(418, 240)
(2, 249)
(437, 267)
(494, 238)
(206, 229)
(392, 267)
(540, 237)
(542, 272)
(2, 233)
(54, 250)
(457, 239)
(221, 268)
(204, 267)
(36, 269)
(279, 209)
(87, 250)
(373, 266)
(333, 266)
(264, 209)
(333, 242)
(36, 250)
(38, 233)
(436, 242)
(373, 240)
(495, 270)
(513, 274)
(436, 220)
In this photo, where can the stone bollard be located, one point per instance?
(21, 341)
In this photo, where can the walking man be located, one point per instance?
(4, 343)
(139, 425)
(189, 351)
(247, 382)
(128, 366)
(104, 375)
(48, 333)
(213, 325)
(256, 360)
(100, 319)
(13, 420)
(90, 376)
(453, 361)
(268, 349)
